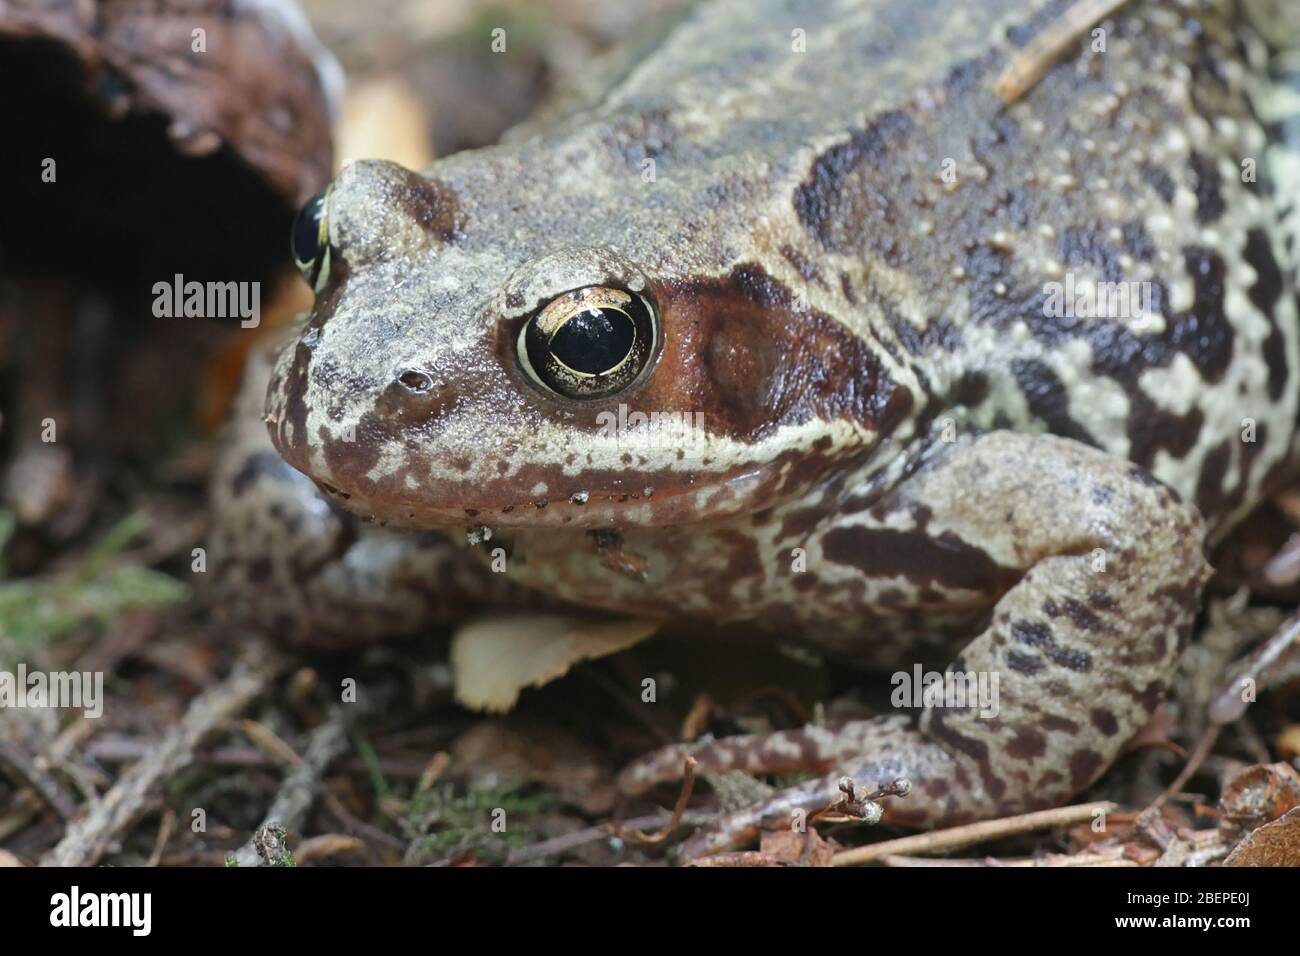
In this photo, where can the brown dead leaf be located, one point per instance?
(1273, 844)
(494, 658)
(803, 849)
(1260, 794)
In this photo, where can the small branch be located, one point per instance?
(683, 798)
(129, 749)
(849, 806)
(302, 783)
(1273, 659)
(164, 834)
(23, 769)
(1193, 764)
(1032, 63)
(571, 841)
(957, 837)
(107, 818)
(1106, 856)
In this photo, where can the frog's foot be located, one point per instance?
(1105, 570)
(808, 749)
(899, 752)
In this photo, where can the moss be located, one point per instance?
(446, 824)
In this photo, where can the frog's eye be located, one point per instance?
(589, 343)
(310, 240)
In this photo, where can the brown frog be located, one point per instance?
(791, 320)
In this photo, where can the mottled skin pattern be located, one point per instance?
(306, 571)
(904, 456)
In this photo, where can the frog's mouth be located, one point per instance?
(538, 496)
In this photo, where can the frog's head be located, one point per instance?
(485, 351)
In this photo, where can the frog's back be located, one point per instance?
(1107, 259)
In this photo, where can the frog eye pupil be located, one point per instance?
(589, 343)
(594, 340)
(308, 237)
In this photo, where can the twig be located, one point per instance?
(302, 783)
(24, 770)
(1107, 856)
(358, 826)
(87, 836)
(1262, 666)
(640, 714)
(269, 742)
(114, 749)
(328, 844)
(683, 798)
(571, 841)
(848, 806)
(164, 834)
(1032, 63)
(1193, 764)
(433, 772)
(957, 837)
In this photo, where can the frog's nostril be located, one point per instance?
(415, 394)
(416, 381)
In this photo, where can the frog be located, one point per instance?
(789, 321)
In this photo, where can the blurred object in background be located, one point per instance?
(147, 139)
(442, 51)
(142, 143)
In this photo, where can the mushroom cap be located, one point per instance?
(144, 140)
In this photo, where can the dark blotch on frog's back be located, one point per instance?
(818, 201)
(430, 203)
(737, 350)
(1207, 185)
(1048, 399)
(1203, 332)
(918, 557)
(1265, 294)
(1087, 244)
(1159, 180)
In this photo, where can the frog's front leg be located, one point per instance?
(1106, 566)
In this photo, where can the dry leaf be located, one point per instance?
(494, 658)
(803, 849)
(1273, 844)
(1260, 794)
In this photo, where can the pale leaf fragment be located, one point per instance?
(495, 657)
